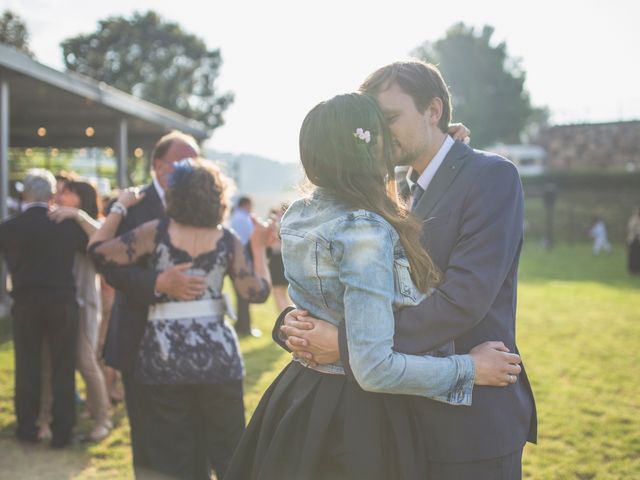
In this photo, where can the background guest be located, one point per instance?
(40, 255)
(137, 286)
(274, 252)
(633, 242)
(107, 297)
(598, 232)
(189, 360)
(79, 201)
(242, 222)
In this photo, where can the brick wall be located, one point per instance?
(592, 146)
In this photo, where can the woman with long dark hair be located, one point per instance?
(352, 254)
(79, 200)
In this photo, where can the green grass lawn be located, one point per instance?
(578, 332)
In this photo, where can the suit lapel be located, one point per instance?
(444, 177)
(152, 203)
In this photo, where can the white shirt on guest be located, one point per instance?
(28, 205)
(242, 224)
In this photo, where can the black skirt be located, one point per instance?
(276, 269)
(311, 425)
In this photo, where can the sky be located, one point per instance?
(283, 57)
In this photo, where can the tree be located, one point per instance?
(487, 86)
(155, 60)
(14, 32)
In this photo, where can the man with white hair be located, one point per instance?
(39, 253)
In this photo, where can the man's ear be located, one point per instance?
(434, 111)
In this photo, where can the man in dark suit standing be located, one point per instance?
(40, 253)
(137, 286)
(471, 203)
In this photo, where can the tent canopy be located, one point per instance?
(42, 107)
(78, 112)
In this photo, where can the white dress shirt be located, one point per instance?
(28, 205)
(425, 179)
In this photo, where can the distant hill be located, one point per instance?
(268, 181)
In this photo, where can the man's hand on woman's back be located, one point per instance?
(175, 283)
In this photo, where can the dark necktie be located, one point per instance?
(416, 193)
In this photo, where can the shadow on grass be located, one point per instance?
(23, 460)
(26, 461)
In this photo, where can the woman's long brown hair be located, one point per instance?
(90, 201)
(360, 173)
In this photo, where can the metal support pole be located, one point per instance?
(4, 148)
(4, 177)
(123, 150)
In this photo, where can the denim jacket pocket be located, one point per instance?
(405, 285)
(310, 269)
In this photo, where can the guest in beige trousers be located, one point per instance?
(111, 375)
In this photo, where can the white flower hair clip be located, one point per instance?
(364, 135)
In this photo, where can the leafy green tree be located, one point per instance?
(487, 85)
(155, 60)
(14, 32)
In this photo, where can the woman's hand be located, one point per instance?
(459, 132)
(495, 366)
(60, 214)
(130, 196)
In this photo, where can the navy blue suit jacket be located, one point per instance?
(135, 291)
(40, 255)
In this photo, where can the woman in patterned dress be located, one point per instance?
(189, 365)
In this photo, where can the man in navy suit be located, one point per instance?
(471, 204)
(137, 286)
(40, 255)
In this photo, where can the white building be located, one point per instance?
(530, 159)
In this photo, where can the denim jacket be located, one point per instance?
(346, 265)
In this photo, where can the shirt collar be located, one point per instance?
(160, 190)
(28, 205)
(425, 179)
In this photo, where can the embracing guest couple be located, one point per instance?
(405, 363)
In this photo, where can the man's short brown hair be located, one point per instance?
(420, 80)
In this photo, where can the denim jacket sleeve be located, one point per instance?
(362, 248)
